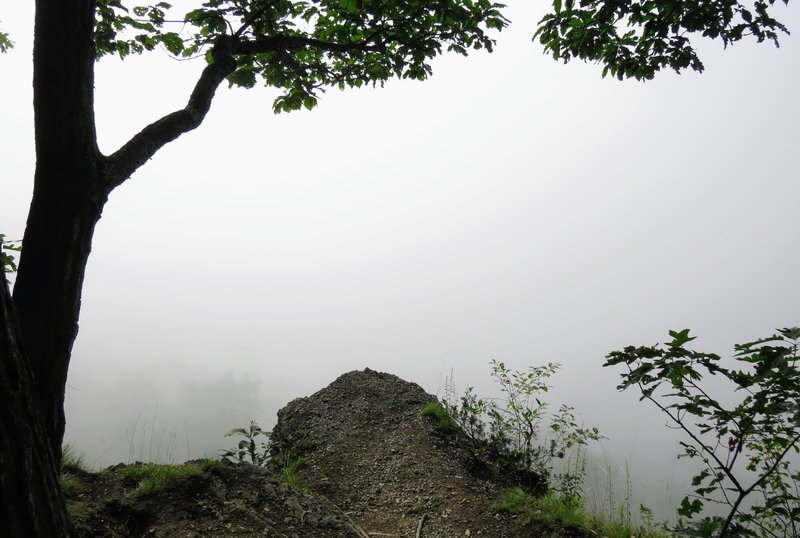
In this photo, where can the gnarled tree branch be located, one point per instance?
(142, 146)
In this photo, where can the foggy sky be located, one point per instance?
(510, 207)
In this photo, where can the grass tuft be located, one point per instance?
(292, 475)
(444, 422)
(69, 485)
(72, 461)
(211, 464)
(555, 511)
(153, 478)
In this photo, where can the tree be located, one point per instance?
(743, 446)
(299, 46)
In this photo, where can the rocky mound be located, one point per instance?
(374, 468)
(370, 452)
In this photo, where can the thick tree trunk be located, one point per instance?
(71, 185)
(68, 197)
(31, 504)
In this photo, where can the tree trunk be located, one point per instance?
(31, 504)
(71, 185)
(68, 196)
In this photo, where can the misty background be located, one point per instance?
(509, 208)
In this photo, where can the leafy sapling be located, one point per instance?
(743, 447)
(250, 448)
(516, 426)
(518, 432)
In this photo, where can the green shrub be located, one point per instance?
(518, 433)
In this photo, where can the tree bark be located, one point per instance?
(68, 196)
(31, 504)
(71, 185)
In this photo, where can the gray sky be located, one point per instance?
(510, 207)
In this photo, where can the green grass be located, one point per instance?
(72, 461)
(444, 422)
(554, 511)
(153, 478)
(292, 475)
(211, 464)
(69, 485)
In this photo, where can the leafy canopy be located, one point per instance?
(637, 38)
(305, 46)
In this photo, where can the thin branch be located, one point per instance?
(758, 482)
(694, 437)
(253, 17)
(142, 146)
(714, 403)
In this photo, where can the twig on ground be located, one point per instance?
(419, 526)
(355, 528)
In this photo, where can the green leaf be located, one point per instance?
(172, 42)
(350, 5)
(5, 42)
(679, 338)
